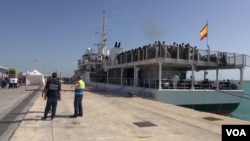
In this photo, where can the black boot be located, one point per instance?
(73, 116)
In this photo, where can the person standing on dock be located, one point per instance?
(79, 89)
(11, 83)
(52, 93)
(15, 82)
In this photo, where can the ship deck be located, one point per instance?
(151, 56)
(159, 61)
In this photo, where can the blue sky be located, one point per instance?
(56, 33)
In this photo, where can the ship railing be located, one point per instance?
(149, 83)
(115, 81)
(239, 59)
(178, 52)
(247, 60)
(170, 84)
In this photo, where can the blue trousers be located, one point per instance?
(51, 104)
(78, 105)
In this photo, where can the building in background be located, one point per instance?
(4, 71)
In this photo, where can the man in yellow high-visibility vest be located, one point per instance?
(79, 89)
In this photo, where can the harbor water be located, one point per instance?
(243, 110)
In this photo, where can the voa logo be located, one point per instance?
(236, 132)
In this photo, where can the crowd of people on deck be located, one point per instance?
(161, 49)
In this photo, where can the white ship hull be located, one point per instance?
(220, 102)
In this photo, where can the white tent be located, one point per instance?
(35, 78)
(35, 72)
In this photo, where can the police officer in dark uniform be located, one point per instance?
(52, 93)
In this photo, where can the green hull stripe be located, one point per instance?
(214, 108)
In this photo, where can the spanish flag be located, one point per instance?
(204, 32)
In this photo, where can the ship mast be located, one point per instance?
(102, 46)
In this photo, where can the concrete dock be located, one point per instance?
(109, 117)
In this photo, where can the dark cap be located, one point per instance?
(54, 74)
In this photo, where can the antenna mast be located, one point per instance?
(102, 49)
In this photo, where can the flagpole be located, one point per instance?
(207, 35)
(208, 51)
(208, 48)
